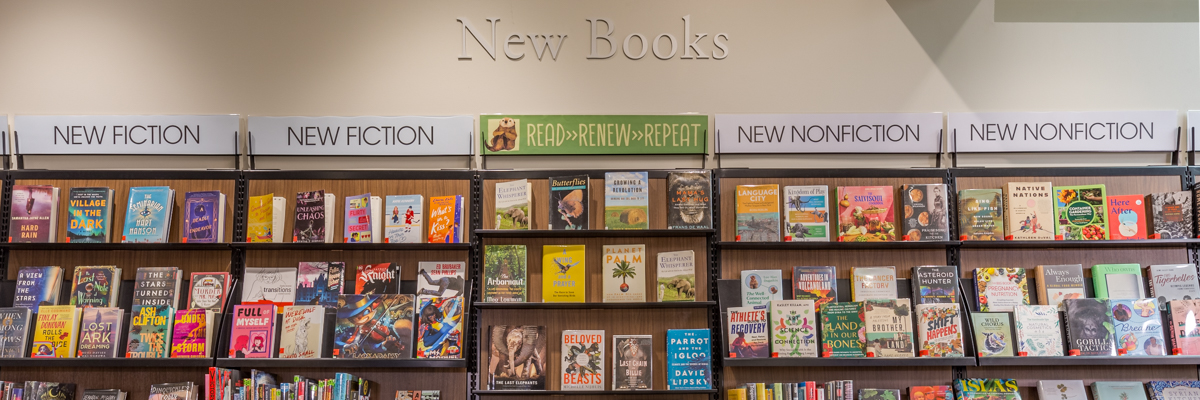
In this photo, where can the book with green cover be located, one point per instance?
(1118, 390)
(981, 214)
(793, 328)
(1081, 212)
(888, 325)
(989, 389)
(993, 334)
(841, 330)
(1118, 281)
(504, 276)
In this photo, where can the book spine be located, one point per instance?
(1040, 272)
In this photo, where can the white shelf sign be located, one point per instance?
(1099, 131)
(829, 133)
(127, 134)
(355, 136)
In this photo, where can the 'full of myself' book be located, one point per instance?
(148, 216)
(689, 200)
(404, 222)
(504, 273)
(253, 331)
(89, 213)
(568, 208)
(203, 217)
(626, 200)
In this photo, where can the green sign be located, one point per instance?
(593, 134)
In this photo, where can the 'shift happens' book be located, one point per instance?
(311, 224)
(1056, 283)
(95, 286)
(193, 334)
(34, 214)
(1170, 282)
(868, 283)
(441, 278)
(677, 276)
(689, 201)
(1039, 332)
(150, 332)
(1116, 390)
(627, 281)
(865, 214)
(888, 326)
(1118, 281)
(793, 328)
(253, 331)
(275, 286)
(209, 291)
(568, 208)
(1173, 390)
(100, 332)
(563, 274)
(748, 331)
(582, 360)
(265, 219)
(806, 218)
(447, 219)
(318, 283)
(37, 286)
(1062, 390)
(90, 213)
(14, 338)
(1029, 210)
(504, 273)
(357, 222)
(818, 284)
(935, 284)
(359, 319)
(157, 286)
(1000, 289)
(1170, 214)
(56, 332)
(757, 213)
(148, 216)
(521, 353)
(981, 214)
(382, 278)
(842, 330)
(760, 286)
(993, 337)
(203, 217)
(1081, 212)
(986, 389)
(939, 330)
(513, 200)
(1089, 328)
(1127, 217)
(633, 368)
(439, 326)
(1137, 327)
(405, 221)
(626, 200)
(689, 359)
(926, 213)
(301, 333)
(1185, 326)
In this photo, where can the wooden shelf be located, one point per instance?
(116, 246)
(851, 362)
(353, 246)
(1088, 361)
(1076, 244)
(590, 233)
(338, 363)
(108, 362)
(594, 306)
(836, 245)
(590, 392)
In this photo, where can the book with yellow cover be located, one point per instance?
(758, 213)
(262, 211)
(563, 277)
(56, 332)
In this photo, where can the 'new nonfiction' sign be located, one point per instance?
(1016, 132)
(829, 133)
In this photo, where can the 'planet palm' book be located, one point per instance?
(319, 283)
(865, 214)
(374, 326)
(1127, 217)
(38, 286)
(626, 200)
(981, 214)
(1173, 282)
(568, 208)
(100, 332)
(209, 291)
(582, 360)
(253, 331)
(757, 213)
(1185, 326)
(689, 200)
(34, 214)
(157, 286)
(441, 278)
(1056, 283)
(761, 286)
(513, 200)
(148, 216)
(14, 338)
(793, 328)
(404, 222)
(439, 327)
(806, 218)
(56, 332)
(939, 330)
(1089, 328)
(203, 217)
(1137, 327)
(447, 219)
(357, 222)
(563, 274)
(1029, 210)
(993, 334)
(1062, 390)
(150, 332)
(677, 276)
(1000, 289)
(518, 357)
(1118, 281)
(301, 335)
(627, 281)
(382, 278)
(935, 284)
(504, 273)
(888, 327)
(818, 284)
(193, 334)
(842, 331)
(90, 212)
(95, 286)
(1039, 332)
(868, 283)
(748, 331)
(1116, 390)
(926, 213)
(1170, 214)
(633, 367)
(275, 286)
(312, 223)
(1173, 390)
(689, 359)
(1081, 212)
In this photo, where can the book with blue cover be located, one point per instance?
(1173, 390)
(689, 359)
(203, 217)
(148, 215)
(1138, 327)
(89, 215)
(404, 221)
(38, 286)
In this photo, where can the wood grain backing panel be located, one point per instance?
(596, 269)
(1113, 185)
(654, 322)
(540, 209)
(1027, 377)
(188, 261)
(287, 189)
(603, 397)
(408, 259)
(733, 262)
(451, 382)
(136, 381)
(863, 377)
(1030, 258)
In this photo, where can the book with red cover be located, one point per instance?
(253, 331)
(1127, 217)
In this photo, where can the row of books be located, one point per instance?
(626, 201)
(564, 274)
(517, 360)
(50, 391)
(418, 395)
(96, 332)
(970, 389)
(99, 286)
(367, 219)
(148, 215)
(228, 384)
(321, 282)
(833, 390)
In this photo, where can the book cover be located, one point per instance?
(1080, 212)
(156, 286)
(512, 204)
(868, 283)
(888, 327)
(172, 391)
(1039, 331)
(190, 338)
(94, 286)
(301, 333)
(517, 360)
(689, 359)
(582, 360)
(842, 330)
(202, 216)
(986, 389)
(275, 286)
(676, 275)
(357, 223)
(793, 328)
(1137, 327)
(253, 331)
(1185, 326)
(309, 223)
(926, 212)
(626, 200)
(806, 217)
(981, 214)
(441, 278)
(563, 274)
(689, 201)
(760, 286)
(318, 283)
(1029, 209)
(14, 332)
(865, 214)
(1000, 289)
(748, 331)
(818, 284)
(150, 332)
(1170, 282)
(33, 214)
(1127, 217)
(38, 286)
(939, 329)
(757, 213)
(1132, 390)
(1061, 390)
(1170, 214)
(209, 291)
(1089, 328)
(879, 394)
(53, 391)
(374, 326)
(1056, 283)
(148, 216)
(90, 212)
(935, 284)
(260, 219)
(633, 368)
(445, 216)
(504, 273)
(99, 332)
(439, 328)
(405, 220)
(993, 337)
(55, 332)
(1173, 390)
(382, 278)
(930, 393)
(569, 202)
(1118, 281)
(627, 281)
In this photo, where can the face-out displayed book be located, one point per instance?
(582, 360)
(1137, 327)
(793, 328)
(633, 366)
(748, 331)
(89, 210)
(1127, 217)
(1029, 210)
(981, 214)
(513, 204)
(1081, 212)
(868, 283)
(14, 332)
(372, 326)
(209, 291)
(993, 337)
(689, 359)
(517, 360)
(265, 219)
(37, 286)
(888, 327)
(1089, 327)
(806, 214)
(51, 391)
(1000, 289)
(504, 273)
(1039, 331)
(382, 278)
(168, 391)
(841, 330)
(275, 286)
(568, 208)
(302, 332)
(439, 327)
(253, 332)
(989, 389)
(313, 221)
(1170, 215)
(441, 278)
(563, 274)
(203, 217)
(625, 273)
(879, 394)
(404, 220)
(689, 200)
(1118, 390)
(148, 214)
(926, 212)
(1056, 283)
(1118, 281)
(939, 330)
(930, 392)
(757, 213)
(362, 223)
(1169, 282)
(34, 216)
(95, 286)
(1185, 326)
(1173, 390)
(100, 331)
(626, 200)
(318, 283)
(935, 284)
(150, 332)
(157, 286)
(760, 286)
(676, 276)
(192, 334)
(818, 284)
(447, 219)
(865, 214)
(56, 332)
(1062, 390)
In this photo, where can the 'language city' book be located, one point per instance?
(806, 215)
(873, 283)
(568, 208)
(439, 327)
(1056, 283)
(301, 335)
(626, 200)
(624, 274)
(1137, 327)
(504, 273)
(935, 284)
(203, 217)
(375, 326)
(760, 286)
(689, 200)
(38, 286)
(100, 332)
(148, 215)
(1081, 212)
(1000, 289)
(865, 214)
(563, 274)
(633, 367)
(757, 213)
(447, 219)
(1062, 390)
(90, 212)
(157, 286)
(1089, 328)
(56, 332)
(793, 328)
(313, 222)
(382, 278)
(939, 330)
(520, 357)
(582, 361)
(981, 214)
(150, 332)
(748, 331)
(441, 278)
(677, 276)
(34, 214)
(1127, 217)
(1185, 326)
(404, 221)
(276, 286)
(513, 200)
(95, 286)
(818, 284)
(193, 334)
(14, 339)
(318, 283)
(993, 334)
(358, 221)
(1173, 282)
(1118, 281)
(1170, 215)
(842, 330)
(209, 290)
(888, 327)
(253, 332)
(926, 212)
(689, 359)
(1029, 210)
(1039, 332)
(265, 219)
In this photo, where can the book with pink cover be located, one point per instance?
(1185, 328)
(253, 331)
(865, 214)
(190, 337)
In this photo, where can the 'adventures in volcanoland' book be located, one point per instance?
(677, 276)
(513, 201)
(865, 214)
(793, 328)
(689, 201)
(842, 331)
(563, 274)
(926, 212)
(568, 208)
(981, 214)
(626, 200)
(1081, 212)
(627, 281)
(1029, 210)
(748, 331)
(818, 284)
(504, 273)
(758, 213)
(806, 218)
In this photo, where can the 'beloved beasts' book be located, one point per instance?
(203, 217)
(148, 216)
(624, 273)
(842, 330)
(34, 214)
(100, 332)
(677, 276)
(793, 328)
(518, 345)
(563, 274)
(873, 283)
(626, 200)
(439, 326)
(37, 286)
(89, 212)
(865, 214)
(568, 208)
(632, 356)
(1137, 327)
(806, 218)
(582, 360)
(981, 214)
(1089, 328)
(689, 359)
(761, 286)
(818, 284)
(382, 278)
(1000, 289)
(993, 337)
(758, 213)
(358, 316)
(504, 273)
(939, 330)
(1039, 332)
(1081, 212)
(689, 200)
(748, 331)
(888, 327)
(1029, 210)
(56, 331)
(404, 222)
(1056, 283)
(150, 332)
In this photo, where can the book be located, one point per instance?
(37, 286)
(865, 214)
(676, 276)
(382, 278)
(1127, 217)
(868, 283)
(878, 394)
(150, 331)
(405, 220)
(1173, 390)
(627, 282)
(888, 327)
(209, 291)
(935, 284)
(14, 332)
(993, 334)
(1185, 326)
(1029, 210)
(447, 217)
(689, 200)
(253, 332)
(265, 219)
(1039, 331)
(1056, 283)
(842, 330)
(757, 213)
(930, 393)
(626, 200)
(99, 332)
(173, 391)
(806, 214)
(374, 326)
(981, 214)
(318, 284)
(793, 328)
(818, 284)
(504, 273)
(986, 389)
(689, 359)
(90, 213)
(440, 326)
(203, 217)
(582, 360)
(1000, 289)
(1080, 212)
(157, 286)
(52, 391)
(148, 215)
(1118, 281)
(310, 223)
(104, 394)
(301, 334)
(748, 331)
(276, 286)
(193, 334)
(760, 286)
(563, 274)
(357, 222)
(939, 330)
(1137, 327)
(513, 200)
(1089, 328)
(95, 286)
(1132, 390)
(34, 216)
(1169, 215)
(926, 212)
(56, 332)
(441, 278)
(1062, 390)
(633, 368)
(517, 357)
(1173, 282)
(568, 207)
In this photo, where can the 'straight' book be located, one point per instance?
(203, 217)
(981, 214)
(1000, 289)
(404, 221)
(689, 359)
(1118, 281)
(689, 200)
(1056, 283)
(1089, 328)
(873, 283)
(1081, 212)
(148, 215)
(1039, 332)
(568, 208)
(89, 213)
(993, 334)
(1127, 217)
(447, 219)
(513, 204)
(1137, 327)
(761, 286)
(757, 213)
(888, 326)
(793, 328)
(563, 274)
(865, 214)
(38, 286)
(939, 330)
(56, 333)
(926, 212)
(100, 332)
(935, 284)
(841, 330)
(624, 273)
(806, 214)
(504, 273)
(1029, 210)
(34, 214)
(1170, 214)
(626, 200)
(582, 367)
(818, 284)
(150, 332)
(192, 335)
(677, 276)
(253, 331)
(749, 332)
